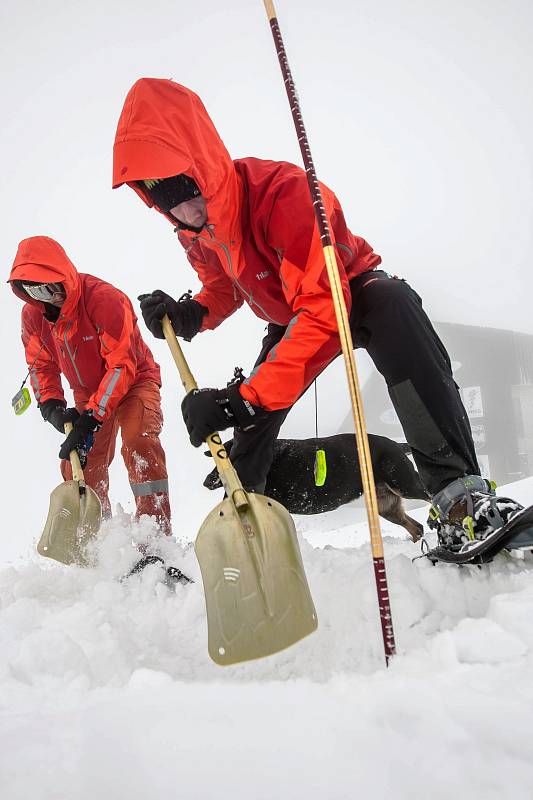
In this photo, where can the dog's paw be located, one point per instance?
(415, 529)
(212, 480)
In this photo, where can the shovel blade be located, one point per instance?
(257, 596)
(73, 521)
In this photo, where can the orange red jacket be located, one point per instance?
(95, 343)
(261, 244)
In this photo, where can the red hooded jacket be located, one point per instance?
(261, 242)
(95, 342)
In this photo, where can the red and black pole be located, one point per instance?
(346, 342)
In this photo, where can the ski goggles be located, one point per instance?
(45, 292)
(166, 193)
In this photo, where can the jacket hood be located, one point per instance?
(164, 130)
(42, 259)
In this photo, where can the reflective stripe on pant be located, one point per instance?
(140, 420)
(388, 320)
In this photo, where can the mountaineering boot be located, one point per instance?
(467, 511)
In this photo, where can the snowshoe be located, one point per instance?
(473, 524)
(523, 540)
(173, 574)
(515, 534)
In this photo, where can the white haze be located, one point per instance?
(418, 113)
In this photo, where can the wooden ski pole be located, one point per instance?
(341, 314)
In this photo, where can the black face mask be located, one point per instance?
(181, 226)
(51, 313)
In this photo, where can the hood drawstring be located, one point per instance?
(19, 393)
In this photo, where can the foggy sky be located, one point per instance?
(419, 116)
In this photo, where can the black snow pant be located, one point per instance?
(388, 320)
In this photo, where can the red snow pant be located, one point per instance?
(140, 420)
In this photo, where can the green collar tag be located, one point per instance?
(21, 401)
(321, 468)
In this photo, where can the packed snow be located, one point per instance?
(106, 687)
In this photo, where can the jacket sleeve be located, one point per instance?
(311, 340)
(45, 376)
(218, 294)
(112, 314)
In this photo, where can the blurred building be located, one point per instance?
(494, 370)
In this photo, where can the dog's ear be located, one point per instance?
(227, 445)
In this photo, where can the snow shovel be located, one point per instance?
(256, 592)
(73, 518)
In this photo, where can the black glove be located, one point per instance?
(185, 314)
(57, 414)
(208, 410)
(81, 437)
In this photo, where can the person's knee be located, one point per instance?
(143, 457)
(391, 300)
(389, 291)
(139, 441)
(135, 454)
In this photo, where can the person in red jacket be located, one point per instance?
(249, 231)
(81, 327)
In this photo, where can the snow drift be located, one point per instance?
(106, 686)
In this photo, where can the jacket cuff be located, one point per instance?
(196, 313)
(48, 406)
(94, 408)
(248, 394)
(246, 414)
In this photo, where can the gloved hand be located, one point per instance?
(185, 314)
(208, 410)
(81, 437)
(57, 414)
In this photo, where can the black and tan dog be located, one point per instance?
(291, 479)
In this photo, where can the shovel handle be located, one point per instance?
(228, 476)
(77, 472)
(186, 375)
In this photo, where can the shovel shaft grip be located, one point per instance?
(226, 470)
(77, 472)
(228, 476)
(186, 375)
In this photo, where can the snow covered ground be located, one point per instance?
(106, 688)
